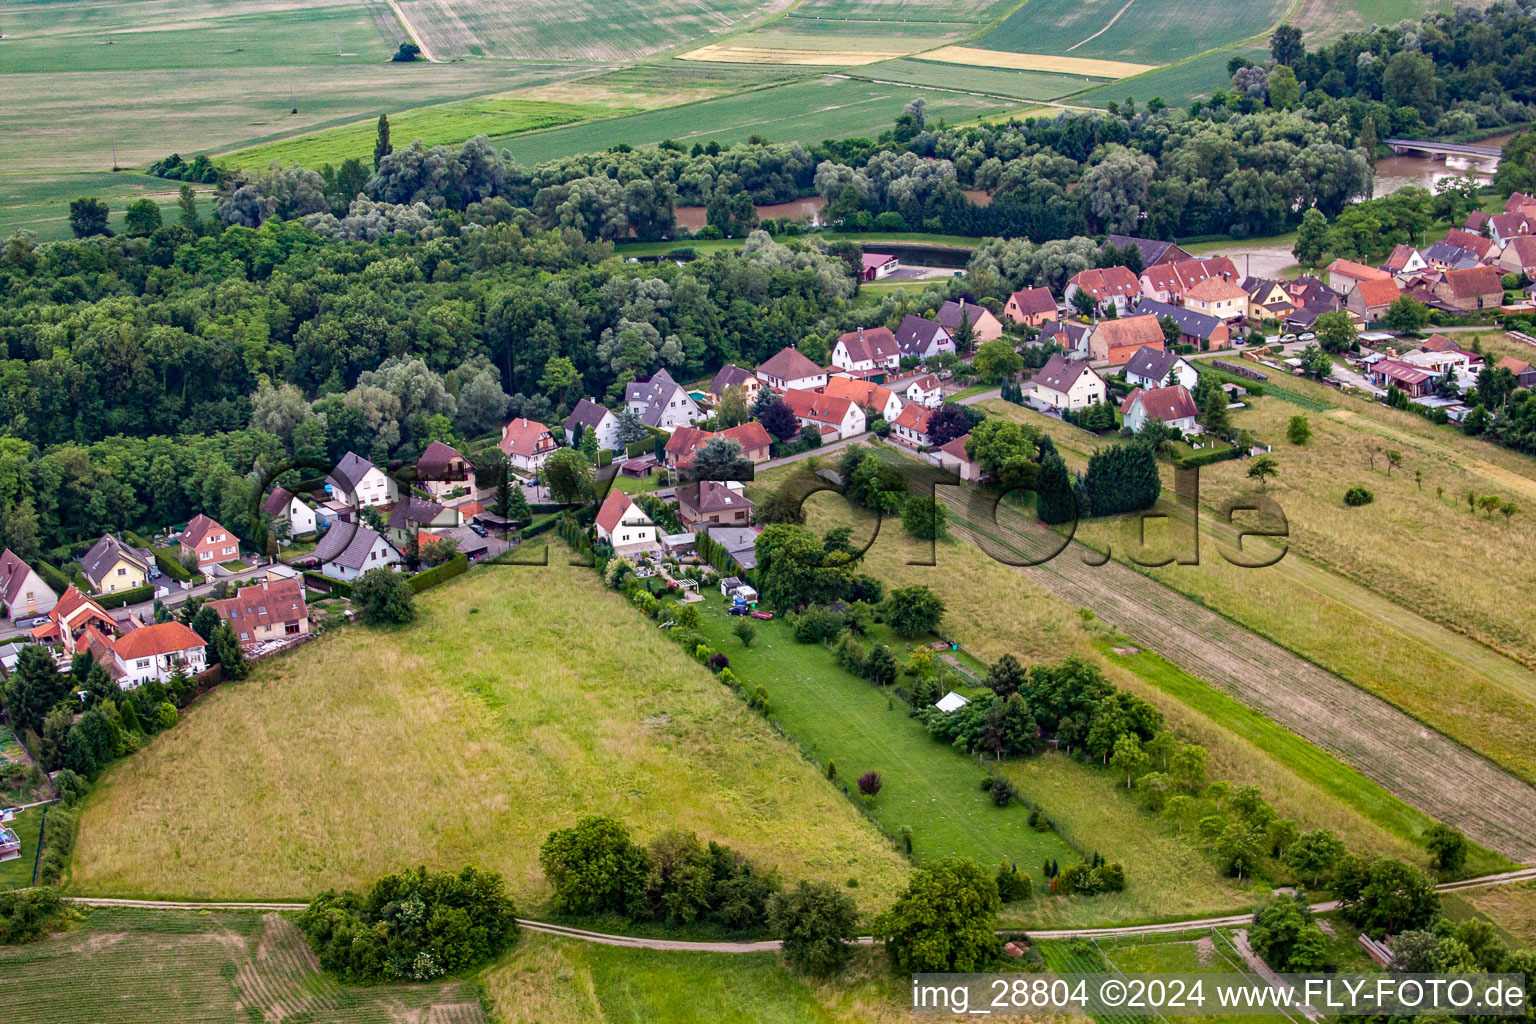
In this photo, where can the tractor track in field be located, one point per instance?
(1427, 769)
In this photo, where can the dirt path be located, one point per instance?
(1423, 767)
(410, 30)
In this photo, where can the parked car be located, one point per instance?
(737, 609)
(1286, 339)
(1309, 336)
(477, 529)
(762, 615)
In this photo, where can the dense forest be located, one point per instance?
(144, 377)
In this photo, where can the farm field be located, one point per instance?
(805, 111)
(549, 980)
(1143, 31)
(1366, 614)
(580, 30)
(1511, 907)
(1031, 622)
(520, 699)
(1177, 84)
(1023, 85)
(449, 123)
(970, 56)
(133, 966)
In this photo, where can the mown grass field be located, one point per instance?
(1023, 85)
(548, 980)
(580, 30)
(448, 123)
(521, 699)
(1511, 907)
(1146, 31)
(1021, 617)
(136, 967)
(805, 111)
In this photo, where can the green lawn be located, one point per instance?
(17, 874)
(835, 716)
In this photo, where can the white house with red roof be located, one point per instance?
(22, 591)
(879, 265)
(1109, 286)
(789, 370)
(866, 351)
(836, 418)
(1168, 282)
(156, 652)
(625, 525)
(922, 388)
(1171, 406)
(69, 619)
(526, 443)
(208, 543)
(1032, 306)
(270, 610)
(911, 427)
(867, 394)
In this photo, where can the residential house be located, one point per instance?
(1344, 274)
(590, 418)
(1476, 222)
(71, 617)
(866, 395)
(1478, 244)
(1171, 406)
(350, 549)
(740, 542)
(1518, 201)
(1461, 365)
(411, 515)
(1109, 286)
(1308, 291)
(911, 426)
(1031, 306)
(283, 506)
(922, 388)
(357, 481)
(1202, 330)
(1525, 373)
(445, 473)
(753, 438)
(1152, 251)
(1519, 256)
(789, 370)
(265, 611)
(920, 338)
(682, 444)
(1473, 288)
(156, 652)
(1404, 260)
(713, 501)
(1443, 256)
(624, 525)
(1115, 341)
(1267, 300)
(1439, 343)
(208, 543)
(660, 402)
(879, 265)
(1219, 297)
(1371, 299)
(468, 543)
(1169, 282)
(984, 326)
(1411, 380)
(1504, 226)
(733, 376)
(869, 352)
(111, 566)
(953, 457)
(1069, 334)
(23, 593)
(1156, 368)
(1064, 383)
(527, 443)
(836, 418)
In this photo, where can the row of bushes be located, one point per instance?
(122, 597)
(458, 565)
(58, 843)
(340, 588)
(533, 530)
(1204, 457)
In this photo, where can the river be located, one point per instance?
(1395, 172)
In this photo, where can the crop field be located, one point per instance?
(520, 699)
(581, 30)
(137, 967)
(805, 111)
(1144, 31)
(1177, 84)
(1511, 907)
(855, 53)
(1022, 85)
(1035, 624)
(549, 980)
(448, 123)
(968, 11)
(1087, 67)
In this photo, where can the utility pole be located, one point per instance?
(114, 151)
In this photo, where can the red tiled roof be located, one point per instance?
(614, 507)
(197, 529)
(749, 435)
(811, 405)
(872, 344)
(956, 448)
(1524, 248)
(788, 364)
(525, 437)
(1133, 331)
(1439, 343)
(1513, 365)
(161, 638)
(1358, 271)
(1215, 289)
(1379, 292)
(1474, 281)
(1033, 301)
(1107, 282)
(862, 392)
(263, 604)
(1162, 404)
(1478, 245)
(915, 417)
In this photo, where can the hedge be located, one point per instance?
(1201, 458)
(171, 567)
(123, 597)
(340, 588)
(51, 576)
(458, 565)
(534, 529)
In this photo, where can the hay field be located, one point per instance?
(1023, 85)
(730, 53)
(577, 30)
(1144, 31)
(448, 123)
(521, 699)
(1047, 62)
(1511, 907)
(147, 967)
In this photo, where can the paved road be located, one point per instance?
(769, 945)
